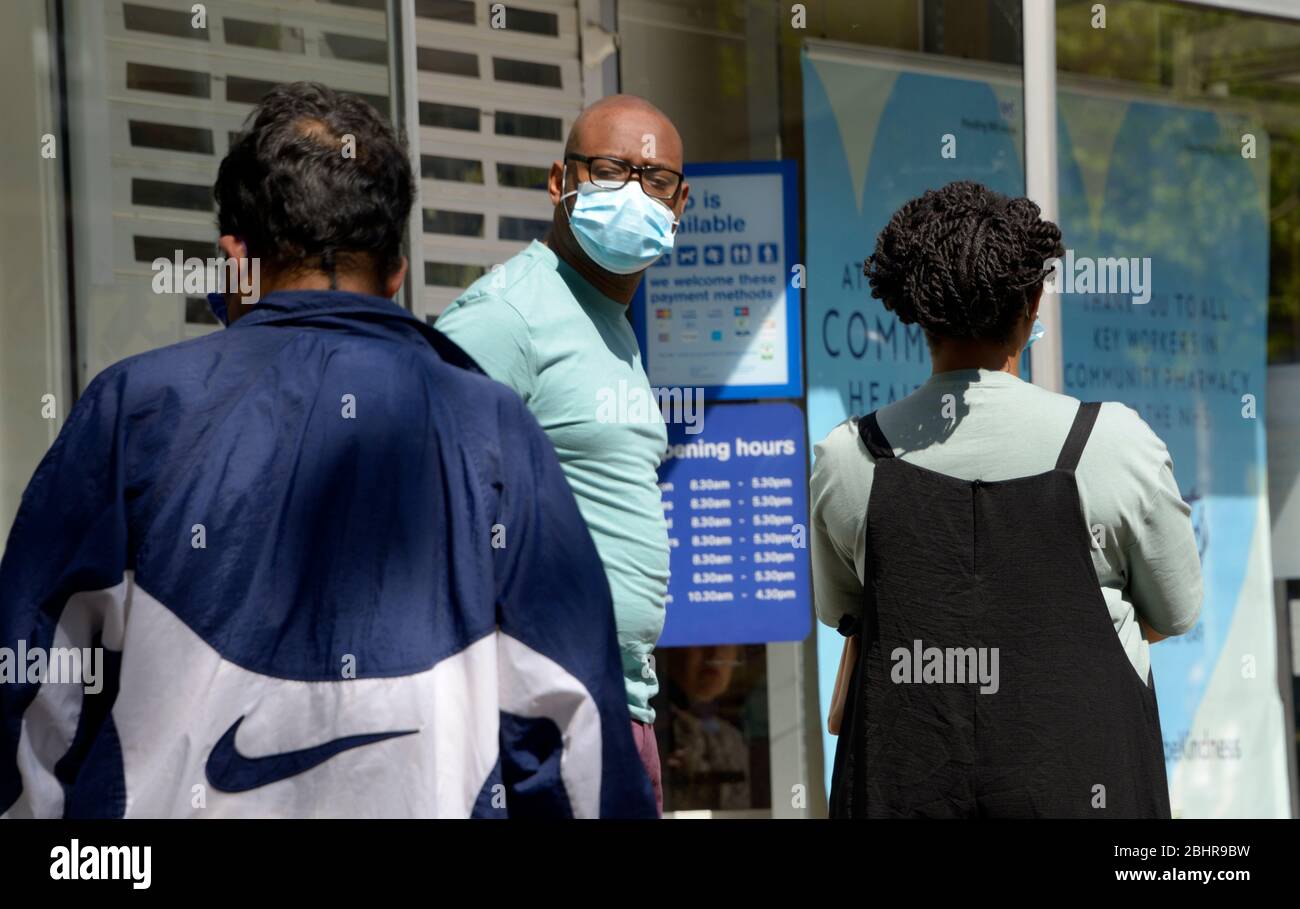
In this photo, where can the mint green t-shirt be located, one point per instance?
(570, 353)
(977, 424)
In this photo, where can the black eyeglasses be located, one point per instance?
(613, 173)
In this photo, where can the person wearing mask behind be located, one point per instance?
(552, 324)
(1039, 543)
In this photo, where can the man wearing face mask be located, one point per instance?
(552, 324)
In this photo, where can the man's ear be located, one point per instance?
(393, 283)
(231, 246)
(1033, 307)
(555, 182)
(682, 196)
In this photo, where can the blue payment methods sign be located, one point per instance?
(721, 310)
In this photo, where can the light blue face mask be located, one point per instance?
(1034, 333)
(622, 230)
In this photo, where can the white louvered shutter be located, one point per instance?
(495, 107)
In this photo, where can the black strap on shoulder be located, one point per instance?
(1072, 450)
(873, 438)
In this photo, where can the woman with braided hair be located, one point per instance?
(1000, 556)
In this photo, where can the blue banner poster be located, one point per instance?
(1166, 191)
(1164, 188)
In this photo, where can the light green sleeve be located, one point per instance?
(493, 332)
(1163, 561)
(840, 486)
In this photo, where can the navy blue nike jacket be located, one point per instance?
(316, 564)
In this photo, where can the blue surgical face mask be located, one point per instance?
(623, 231)
(1035, 333)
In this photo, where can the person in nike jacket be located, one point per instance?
(316, 564)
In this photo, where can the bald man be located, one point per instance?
(552, 324)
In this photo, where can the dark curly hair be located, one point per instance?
(963, 261)
(289, 191)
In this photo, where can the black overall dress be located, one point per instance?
(1072, 730)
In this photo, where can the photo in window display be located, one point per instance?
(711, 725)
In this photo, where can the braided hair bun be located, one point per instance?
(963, 261)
